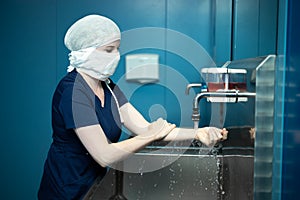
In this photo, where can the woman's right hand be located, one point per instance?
(157, 130)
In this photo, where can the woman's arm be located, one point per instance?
(137, 124)
(106, 153)
(133, 119)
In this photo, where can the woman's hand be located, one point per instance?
(157, 130)
(209, 136)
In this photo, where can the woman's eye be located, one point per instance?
(109, 50)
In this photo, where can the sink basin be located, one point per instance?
(223, 172)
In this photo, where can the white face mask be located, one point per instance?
(98, 64)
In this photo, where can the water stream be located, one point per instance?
(196, 124)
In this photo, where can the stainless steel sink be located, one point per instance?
(224, 172)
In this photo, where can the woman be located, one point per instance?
(88, 110)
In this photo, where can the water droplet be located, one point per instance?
(172, 170)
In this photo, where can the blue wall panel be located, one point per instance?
(246, 29)
(268, 10)
(195, 21)
(28, 68)
(223, 31)
(255, 25)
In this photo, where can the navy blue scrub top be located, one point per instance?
(69, 170)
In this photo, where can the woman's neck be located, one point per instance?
(92, 82)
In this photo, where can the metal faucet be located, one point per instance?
(189, 86)
(230, 93)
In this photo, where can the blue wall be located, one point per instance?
(34, 59)
(28, 78)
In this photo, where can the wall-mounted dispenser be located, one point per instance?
(223, 79)
(142, 68)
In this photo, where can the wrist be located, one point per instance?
(148, 138)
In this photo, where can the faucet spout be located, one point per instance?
(230, 93)
(189, 86)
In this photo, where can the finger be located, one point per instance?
(216, 133)
(169, 127)
(205, 139)
(224, 134)
(158, 123)
(220, 134)
(209, 137)
(165, 131)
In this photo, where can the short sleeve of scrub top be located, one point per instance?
(79, 106)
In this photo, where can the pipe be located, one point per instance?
(232, 93)
(189, 86)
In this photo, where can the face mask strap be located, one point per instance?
(116, 100)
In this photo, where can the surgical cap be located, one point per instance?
(91, 31)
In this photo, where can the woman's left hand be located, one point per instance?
(209, 136)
